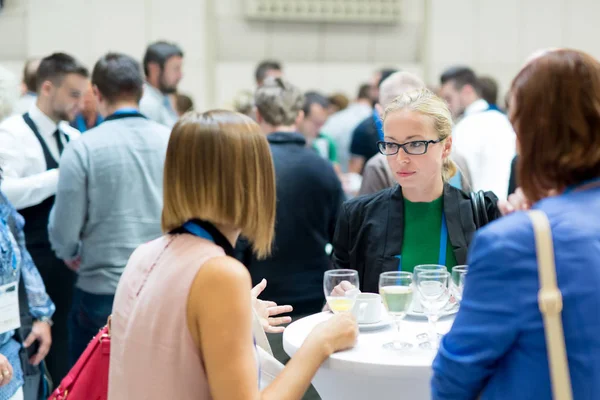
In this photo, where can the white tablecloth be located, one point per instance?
(368, 371)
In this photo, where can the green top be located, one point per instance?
(326, 147)
(422, 227)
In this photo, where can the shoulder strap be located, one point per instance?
(483, 216)
(475, 208)
(550, 303)
(259, 334)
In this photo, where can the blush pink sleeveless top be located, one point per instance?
(153, 355)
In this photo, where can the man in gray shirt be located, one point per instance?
(109, 196)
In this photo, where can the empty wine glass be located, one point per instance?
(458, 280)
(341, 300)
(417, 303)
(434, 292)
(396, 290)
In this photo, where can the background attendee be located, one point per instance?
(496, 348)
(29, 86)
(337, 102)
(267, 69)
(17, 267)
(184, 103)
(175, 290)
(244, 103)
(488, 87)
(308, 199)
(89, 117)
(483, 137)
(364, 138)
(399, 228)
(30, 150)
(315, 114)
(109, 195)
(163, 69)
(9, 93)
(340, 125)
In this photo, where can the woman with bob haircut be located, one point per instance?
(182, 317)
(496, 346)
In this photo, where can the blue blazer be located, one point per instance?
(496, 346)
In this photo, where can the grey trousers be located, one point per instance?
(276, 342)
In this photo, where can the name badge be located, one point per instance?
(10, 318)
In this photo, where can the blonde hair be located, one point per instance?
(426, 103)
(218, 168)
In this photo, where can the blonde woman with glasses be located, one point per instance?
(424, 220)
(182, 316)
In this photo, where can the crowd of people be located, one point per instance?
(118, 200)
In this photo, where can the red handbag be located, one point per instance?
(88, 379)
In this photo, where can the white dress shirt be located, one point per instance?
(156, 106)
(487, 142)
(25, 179)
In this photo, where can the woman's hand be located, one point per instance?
(268, 310)
(6, 371)
(516, 202)
(336, 334)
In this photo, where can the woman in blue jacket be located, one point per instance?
(496, 347)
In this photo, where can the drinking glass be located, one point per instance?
(458, 280)
(396, 290)
(340, 300)
(425, 268)
(434, 292)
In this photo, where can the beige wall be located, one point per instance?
(222, 47)
(495, 37)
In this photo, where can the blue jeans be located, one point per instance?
(89, 313)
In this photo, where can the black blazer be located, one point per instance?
(370, 229)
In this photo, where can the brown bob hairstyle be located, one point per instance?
(219, 169)
(555, 111)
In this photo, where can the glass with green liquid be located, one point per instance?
(396, 292)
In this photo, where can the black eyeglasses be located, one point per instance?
(415, 148)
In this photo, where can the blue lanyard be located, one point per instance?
(197, 230)
(443, 244)
(581, 185)
(378, 124)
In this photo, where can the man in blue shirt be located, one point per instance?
(109, 196)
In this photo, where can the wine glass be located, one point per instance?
(396, 290)
(434, 292)
(458, 280)
(417, 303)
(341, 300)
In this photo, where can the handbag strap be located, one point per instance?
(550, 304)
(483, 216)
(475, 208)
